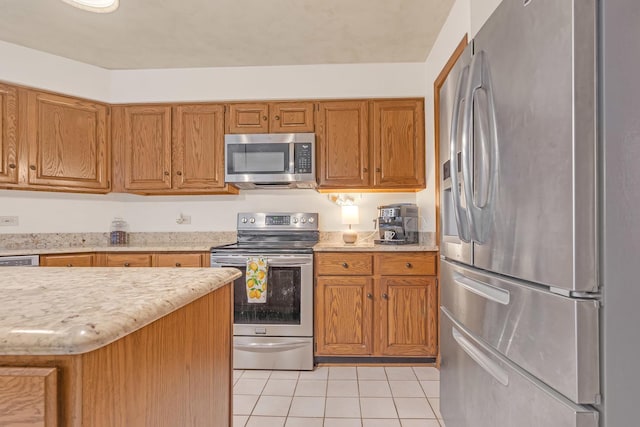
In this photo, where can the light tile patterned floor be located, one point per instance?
(338, 397)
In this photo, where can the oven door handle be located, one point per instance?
(285, 262)
(269, 347)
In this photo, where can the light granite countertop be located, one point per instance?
(150, 247)
(54, 311)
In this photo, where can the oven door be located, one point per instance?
(288, 311)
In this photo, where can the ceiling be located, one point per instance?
(222, 33)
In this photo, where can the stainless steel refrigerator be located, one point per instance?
(540, 218)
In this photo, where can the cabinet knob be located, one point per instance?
(69, 265)
(179, 173)
(166, 173)
(345, 265)
(409, 265)
(178, 264)
(377, 169)
(277, 117)
(370, 296)
(365, 170)
(126, 264)
(32, 167)
(12, 165)
(385, 296)
(264, 118)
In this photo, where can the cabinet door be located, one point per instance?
(248, 118)
(8, 134)
(398, 144)
(343, 150)
(407, 316)
(128, 260)
(68, 143)
(146, 143)
(179, 260)
(291, 117)
(198, 147)
(68, 260)
(344, 316)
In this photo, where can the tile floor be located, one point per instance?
(338, 397)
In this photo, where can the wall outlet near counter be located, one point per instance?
(8, 221)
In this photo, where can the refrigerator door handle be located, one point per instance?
(479, 288)
(480, 358)
(460, 213)
(480, 215)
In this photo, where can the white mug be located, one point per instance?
(389, 234)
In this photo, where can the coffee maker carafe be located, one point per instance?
(398, 224)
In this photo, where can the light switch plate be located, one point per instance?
(8, 221)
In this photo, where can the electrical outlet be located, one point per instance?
(183, 219)
(9, 221)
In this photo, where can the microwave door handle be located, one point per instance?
(460, 213)
(292, 158)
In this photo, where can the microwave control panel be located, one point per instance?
(303, 158)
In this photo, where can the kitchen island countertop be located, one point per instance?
(50, 311)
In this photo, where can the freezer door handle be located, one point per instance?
(479, 288)
(486, 158)
(460, 213)
(480, 358)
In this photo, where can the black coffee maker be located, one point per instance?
(398, 224)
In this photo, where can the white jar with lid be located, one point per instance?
(119, 234)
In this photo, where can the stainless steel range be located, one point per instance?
(276, 332)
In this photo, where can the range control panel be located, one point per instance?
(277, 221)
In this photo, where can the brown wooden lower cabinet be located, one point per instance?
(173, 372)
(366, 311)
(68, 260)
(127, 259)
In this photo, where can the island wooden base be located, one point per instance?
(174, 372)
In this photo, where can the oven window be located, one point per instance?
(283, 299)
(269, 158)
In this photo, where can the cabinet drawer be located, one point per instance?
(344, 264)
(178, 260)
(406, 264)
(128, 260)
(75, 260)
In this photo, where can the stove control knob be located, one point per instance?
(244, 220)
(303, 220)
(252, 220)
(295, 220)
(311, 220)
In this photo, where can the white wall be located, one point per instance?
(282, 82)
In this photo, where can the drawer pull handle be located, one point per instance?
(481, 359)
(484, 290)
(345, 265)
(385, 296)
(126, 264)
(408, 265)
(178, 264)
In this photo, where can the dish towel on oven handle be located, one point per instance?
(257, 269)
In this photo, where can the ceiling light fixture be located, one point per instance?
(99, 6)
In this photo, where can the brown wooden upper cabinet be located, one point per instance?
(270, 117)
(343, 144)
(398, 143)
(376, 144)
(163, 149)
(68, 143)
(8, 134)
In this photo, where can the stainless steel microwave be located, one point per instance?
(270, 160)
